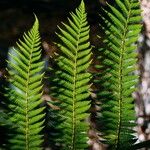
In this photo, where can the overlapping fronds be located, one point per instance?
(25, 91)
(117, 79)
(72, 80)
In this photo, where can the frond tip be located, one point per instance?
(72, 80)
(25, 91)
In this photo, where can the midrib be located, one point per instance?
(120, 82)
(74, 91)
(27, 96)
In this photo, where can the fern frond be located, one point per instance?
(117, 80)
(72, 80)
(25, 91)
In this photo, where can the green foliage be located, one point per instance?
(72, 81)
(25, 91)
(70, 88)
(117, 80)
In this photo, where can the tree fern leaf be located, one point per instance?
(84, 46)
(83, 60)
(70, 30)
(35, 65)
(135, 4)
(123, 7)
(19, 79)
(116, 21)
(71, 85)
(36, 58)
(136, 12)
(83, 67)
(65, 76)
(66, 61)
(22, 49)
(66, 51)
(25, 91)
(118, 14)
(117, 77)
(68, 36)
(83, 53)
(25, 60)
(74, 27)
(114, 30)
(23, 66)
(134, 27)
(133, 33)
(67, 43)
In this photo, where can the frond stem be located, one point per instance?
(27, 96)
(74, 90)
(120, 82)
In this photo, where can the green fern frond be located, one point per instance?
(72, 80)
(117, 80)
(25, 91)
